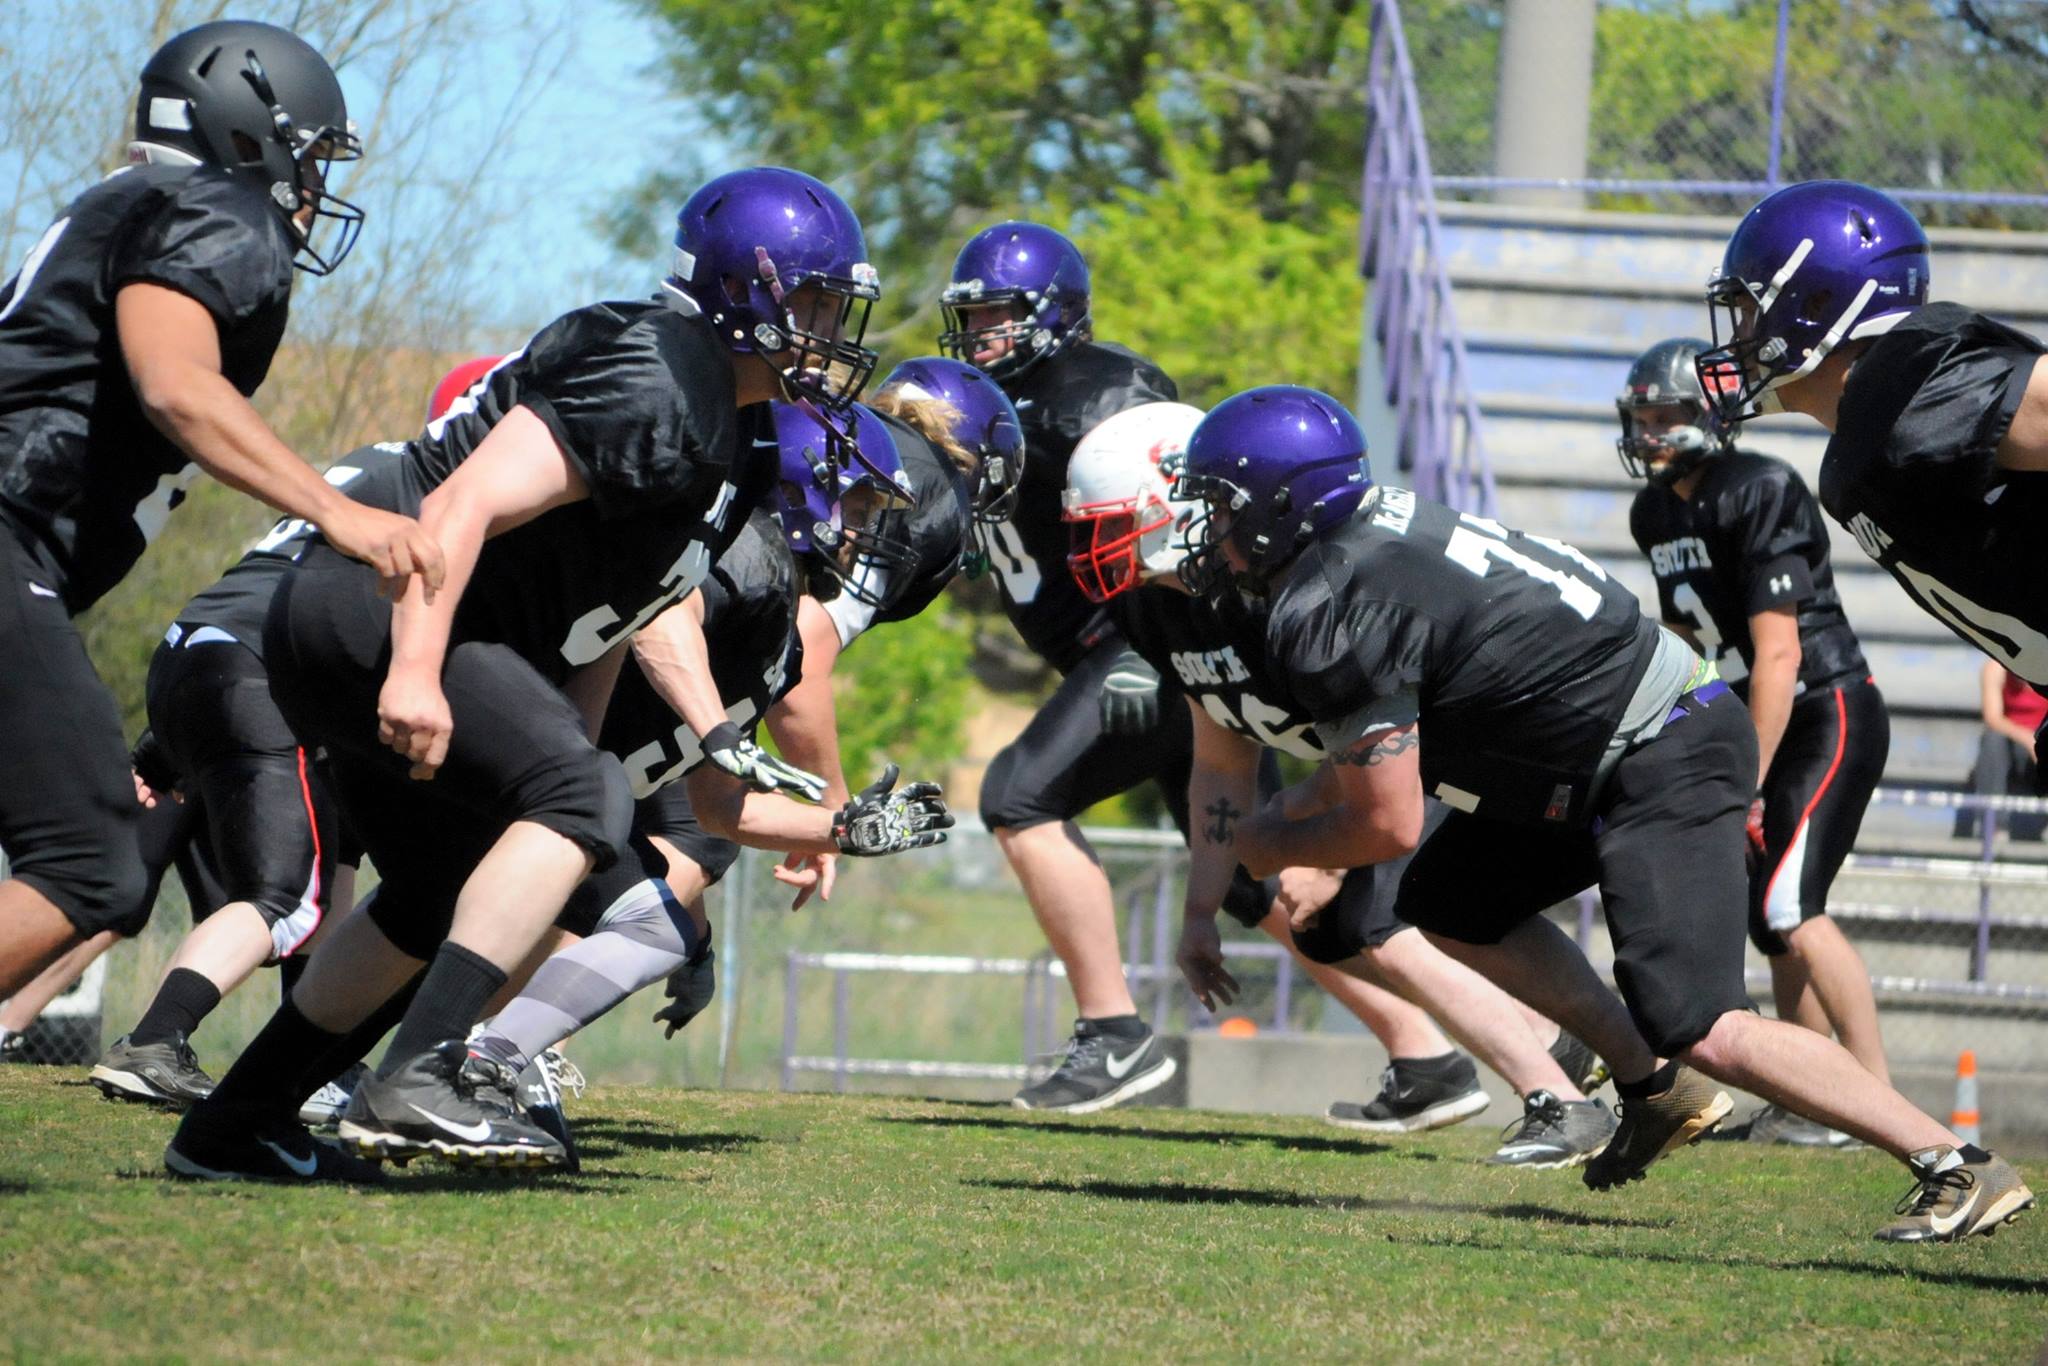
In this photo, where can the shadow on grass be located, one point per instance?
(609, 1137)
(10, 1186)
(426, 1179)
(1293, 1143)
(1183, 1193)
(1177, 1193)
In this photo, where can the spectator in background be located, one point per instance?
(2005, 754)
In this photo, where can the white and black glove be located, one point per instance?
(878, 821)
(756, 767)
(1130, 696)
(689, 990)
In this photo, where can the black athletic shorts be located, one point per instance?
(519, 750)
(668, 814)
(1820, 782)
(67, 797)
(1666, 851)
(1362, 916)
(1064, 762)
(270, 820)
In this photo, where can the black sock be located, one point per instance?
(181, 1003)
(265, 1076)
(457, 986)
(1435, 1062)
(1656, 1084)
(1120, 1026)
(1972, 1153)
(351, 1048)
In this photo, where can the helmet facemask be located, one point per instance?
(823, 321)
(1118, 543)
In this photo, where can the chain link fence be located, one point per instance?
(1702, 106)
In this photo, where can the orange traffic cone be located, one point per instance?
(1964, 1118)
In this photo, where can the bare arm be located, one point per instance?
(672, 652)
(805, 723)
(590, 688)
(2025, 446)
(1378, 818)
(1222, 793)
(171, 347)
(731, 810)
(1773, 679)
(516, 474)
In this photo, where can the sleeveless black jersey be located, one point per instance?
(1750, 538)
(85, 479)
(1515, 653)
(1058, 403)
(239, 601)
(750, 630)
(1215, 649)
(935, 531)
(1911, 472)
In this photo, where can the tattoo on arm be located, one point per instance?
(1391, 747)
(1225, 813)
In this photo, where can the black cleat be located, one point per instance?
(1098, 1070)
(165, 1074)
(452, 1103)
(1554, 1133)
(205, 1150)
(1416, 1094)
(1580, 1064)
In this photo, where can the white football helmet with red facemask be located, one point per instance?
(1127, 526)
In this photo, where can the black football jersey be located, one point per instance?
(1515, 653)
(1750, 538)
(750, 631)
(237, 604)
(85, 479)
(1058, 403)
(641, 399)
(936, 531)
(1911, 471)
(1215, 650)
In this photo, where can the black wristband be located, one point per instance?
(725, 735)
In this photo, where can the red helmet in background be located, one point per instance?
(456, 383)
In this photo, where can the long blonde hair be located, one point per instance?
(930, 418)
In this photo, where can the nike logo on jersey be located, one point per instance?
(41, 591)
(301, 1166)
(475, 1133)
(1120, 1067)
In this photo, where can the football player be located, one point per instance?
(1938, 414)
(1740, 555)
(1127, 549)
(1576, 743)
(130, 341)
(1017, 308)
(582, 488)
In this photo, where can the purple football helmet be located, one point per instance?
(1275, 465)
(1039, 274)
(1808, 268)
(820, 477)
(749, 240)
(986, 426)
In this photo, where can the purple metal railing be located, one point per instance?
(1426, 379)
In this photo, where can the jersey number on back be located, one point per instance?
(1478, 543)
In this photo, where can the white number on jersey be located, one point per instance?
(32, 263)
(1265, 724)
(1687, 600)
(1015, 570)
(2007, 639)
(591, 634)
(1481, 542)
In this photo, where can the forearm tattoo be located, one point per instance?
(1225, 813)
(1393, 746)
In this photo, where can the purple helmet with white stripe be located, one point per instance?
(831, 499)
(1810, 267)
(1042, 278)
(986, 425)
(746, 243)
(1275, 465)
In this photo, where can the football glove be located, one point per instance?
(689, 990)
(1130, 696)
(878, 821)
(754, 766)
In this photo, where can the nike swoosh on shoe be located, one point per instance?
(1944, 1227)
(1119, 1067)
(302, 1166)
(475, 1133)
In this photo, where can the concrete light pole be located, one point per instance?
(1546, 98)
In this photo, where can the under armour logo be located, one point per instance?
(1781, 583)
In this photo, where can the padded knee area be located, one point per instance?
(585, 798)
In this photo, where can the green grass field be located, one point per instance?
(758, 1225)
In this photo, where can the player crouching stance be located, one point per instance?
(1577, 743)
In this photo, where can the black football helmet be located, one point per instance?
(1665, 376)
(258, 102)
